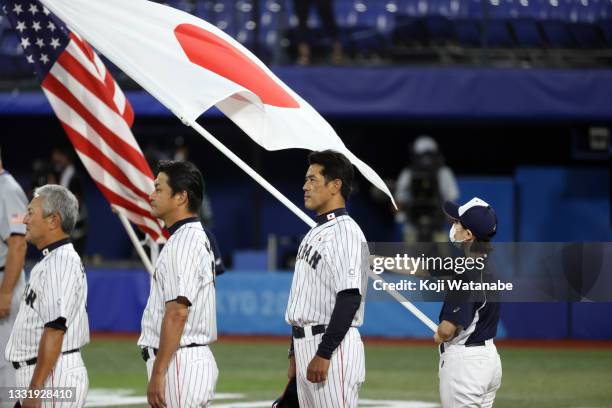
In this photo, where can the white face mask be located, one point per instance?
(451, 236)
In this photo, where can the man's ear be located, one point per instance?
(182, 197)
(337, 185)
(55, 221)
(470, 236)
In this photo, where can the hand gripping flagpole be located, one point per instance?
(297, 211)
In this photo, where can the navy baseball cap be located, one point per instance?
(475, 215)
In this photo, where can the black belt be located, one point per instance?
(32, 361)
(1, 268)
(146, 355)
(477, 344)
(298, 332)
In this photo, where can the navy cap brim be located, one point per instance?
(451, 209)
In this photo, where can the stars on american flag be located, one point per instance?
(42, 36)
(33, 9)
(25, 43)
(17, 9)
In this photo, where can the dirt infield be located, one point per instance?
(376, 341)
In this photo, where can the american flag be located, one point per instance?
(93, 110)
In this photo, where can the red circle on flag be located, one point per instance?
(211, 52)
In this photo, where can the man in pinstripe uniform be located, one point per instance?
(52, 323)
(179, 321)
(13, 247)
(326, 300)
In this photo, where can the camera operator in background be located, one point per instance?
(420, 190)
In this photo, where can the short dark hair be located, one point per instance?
(335, 166)
(184, 176)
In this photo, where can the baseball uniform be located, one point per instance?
(56, 296)
(329, 263)
(13, 204)
(470, 368)
(185, 268)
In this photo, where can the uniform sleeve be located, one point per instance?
(61, 289)
(189, 266)
(346, 254)
(458, 313)
(13, 208)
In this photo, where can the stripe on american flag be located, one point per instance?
(91, 107)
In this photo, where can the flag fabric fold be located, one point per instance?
(190, 66)
(91, 107)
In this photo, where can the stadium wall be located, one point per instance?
(253, 303)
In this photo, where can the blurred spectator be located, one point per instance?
(42, 173)
(325, 8)
(69, 177)
(420, 190)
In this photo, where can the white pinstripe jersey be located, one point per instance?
(185, 268)
(57, 288)
(330, 259)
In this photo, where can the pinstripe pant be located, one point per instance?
(191, 377)
(7, 372)
(69, 371)
(345, 377)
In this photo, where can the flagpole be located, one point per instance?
(406, 303)
(135, 241)
(249, 170)
(301, 214)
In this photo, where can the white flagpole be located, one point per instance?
(264, 183)
(154, 247)
(137, 245)
(297, 211)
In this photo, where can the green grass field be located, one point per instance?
(532, 377)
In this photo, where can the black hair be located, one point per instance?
(335, 166)
(480, 245)
(184, 176)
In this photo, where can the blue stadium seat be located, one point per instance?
(527, 33)
(556, 33)
(587, 35)
(245, 22)
(222, 15)
(204, 10)
(345, 12)
(272, 24)
(605, 25)
(439, 28)
(524, 23)
(369, 25)
(408, 29)
(501, 12)
(468, 32)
